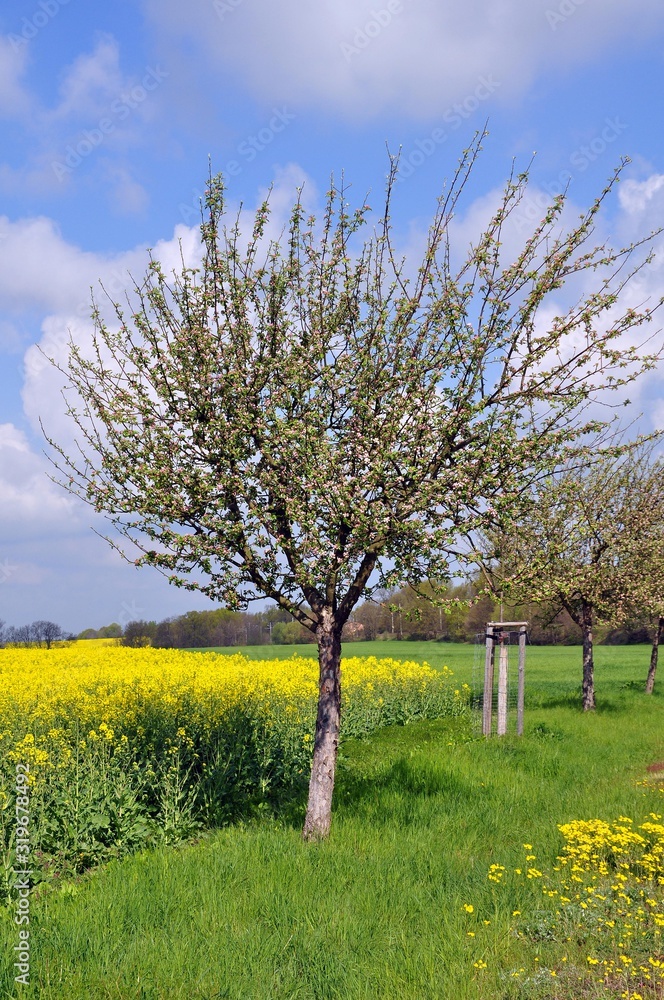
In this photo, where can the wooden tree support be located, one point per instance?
(497, 632)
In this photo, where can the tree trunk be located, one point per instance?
(659, 635)
(588, 665)
(321, 784)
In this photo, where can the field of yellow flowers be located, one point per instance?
(605, 898)
(458, 867)
(127, 747)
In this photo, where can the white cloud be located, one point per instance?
(14, 100)
(395, 56)
(635, 196)
(40, 269)
(37, 266)
(99, 113)
(31, 504)
(634, 217)
(91, 82)
(43, 383)
(642, 204)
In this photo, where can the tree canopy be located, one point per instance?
(312, 418)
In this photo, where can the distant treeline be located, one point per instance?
(404, 615)
(38, 633)
(393, 616)
(217, 628)
(398, 615)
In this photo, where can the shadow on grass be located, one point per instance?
(400, 792)
(382, 765)
(572, 700)
(395, 790)
(638, 687)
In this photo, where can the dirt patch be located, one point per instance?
(655, 768)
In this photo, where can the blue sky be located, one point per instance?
(109, 113)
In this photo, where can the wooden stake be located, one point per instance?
(487, 704)
(502, 685)
(522, 681)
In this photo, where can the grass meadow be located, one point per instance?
(401, 902)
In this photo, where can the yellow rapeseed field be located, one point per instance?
(130, 742)
(119, 691)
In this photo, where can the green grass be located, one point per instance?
(377, 911)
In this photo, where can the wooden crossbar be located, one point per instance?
(505, 624)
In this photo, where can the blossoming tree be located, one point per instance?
(649, 570)
(301, 419)
(591, 542)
